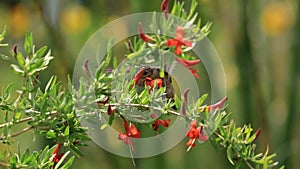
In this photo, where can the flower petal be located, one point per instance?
(138, 76)
(217, 105)
(122, 136)
(187, 63)
(178, 50)
(187, 43)
(143, 36)
(202, 137)
(179, 35)
(110, 111)
(194, 72)
(172, 42)
(164, 8)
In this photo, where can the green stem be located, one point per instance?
(9, 124)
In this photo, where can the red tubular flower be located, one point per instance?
(191, 143)
(143, 36)
(57, 156)
(179, 41)
(187, 64)
(164, 123)
(131, 131)
(15, 49)
(36, 79)
(138, 76)
(110, 111)
(76, 142)
(104, 102)
(217, 105)
(257, 133)
(195, 133)
(164, 8)
(202, 137)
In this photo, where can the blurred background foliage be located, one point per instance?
(258, 43)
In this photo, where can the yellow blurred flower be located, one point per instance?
(277, 18)
(75, 19)
(18, 21)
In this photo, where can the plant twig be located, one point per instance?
(8, 124)
(4, 164)
(22, 131)
(144, 106)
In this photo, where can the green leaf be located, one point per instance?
(230, 154)
(68, 163)
(40, 53)
(2, 35)
(67, 131)
(51, 134)
(111, 119)
(28, 44)
(177, 102)
(76, 151)
(8, 90)
(50, 83)
(62, 159)
(201, 100)
(4, 57)
(115, 63)
(136, 54)
(17, 69)
(20, 59)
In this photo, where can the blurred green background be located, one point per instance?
(257, 40)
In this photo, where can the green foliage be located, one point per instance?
(2, 35)
(240, 146)
(50, 112)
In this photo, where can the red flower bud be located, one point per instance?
(143, 36)
(14, 49)
(104, 102)
(164, 123)
(164, 8)
(257, 133)
(110, 111)
(217, 105)
(179, 41)
(76, 142)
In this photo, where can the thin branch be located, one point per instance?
(248, 164)
(17, 122)
(4, 164)
(8, 124)
(22, 131)
(143, 106)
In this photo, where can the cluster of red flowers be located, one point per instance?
(177, 42)
(195, 133)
